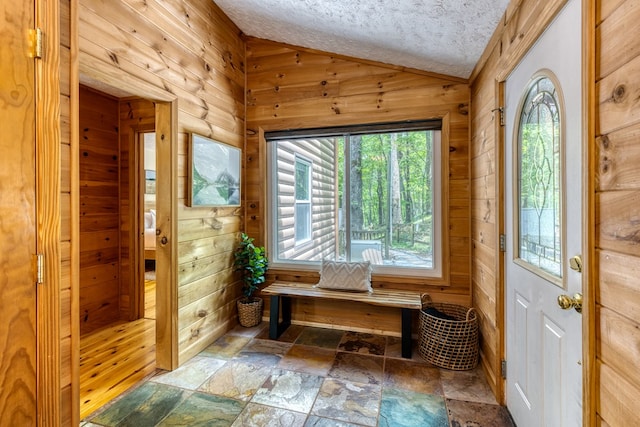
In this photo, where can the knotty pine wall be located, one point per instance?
(99, 211)
(617, 146)
(290, 88)
(190, 52)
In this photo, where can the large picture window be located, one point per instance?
(362, 193)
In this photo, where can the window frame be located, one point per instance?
(309, 164)
(439, 181)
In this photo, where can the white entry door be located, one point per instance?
(543, 199)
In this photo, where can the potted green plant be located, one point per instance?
(252, 262)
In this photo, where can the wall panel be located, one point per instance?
(617, 199)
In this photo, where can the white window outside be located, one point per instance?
(371, 194)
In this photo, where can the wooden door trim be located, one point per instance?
(48, 216)
(136, 289)
(167, 226)
(589, 161)
(74, 124)
(500, 222)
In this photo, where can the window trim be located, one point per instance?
(439, 274)
(302, 160)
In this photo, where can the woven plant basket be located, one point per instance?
(449, 344)
(250, 313)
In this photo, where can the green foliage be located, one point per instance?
(252, 261)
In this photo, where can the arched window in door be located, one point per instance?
(539, 143)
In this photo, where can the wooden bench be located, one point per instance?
(282, 292)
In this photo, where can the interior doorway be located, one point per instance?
(118, 262)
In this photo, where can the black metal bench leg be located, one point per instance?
(276, 328)
(406, 333)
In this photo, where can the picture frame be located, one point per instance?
(214, 173)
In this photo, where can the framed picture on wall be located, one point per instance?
(214, 173)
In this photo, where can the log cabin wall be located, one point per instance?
(520, 26)
(290, 87)
(190, 52)
(99, 211)
(617, 200)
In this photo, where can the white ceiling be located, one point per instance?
(441, 36)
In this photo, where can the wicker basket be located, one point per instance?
(450, 344)
(250, 313)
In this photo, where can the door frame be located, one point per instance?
(589, 274)
(48, 214)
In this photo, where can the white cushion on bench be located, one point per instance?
(349, 276)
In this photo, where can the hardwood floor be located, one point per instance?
(149, 299)
(113, 359)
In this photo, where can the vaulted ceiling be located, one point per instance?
(441, 36)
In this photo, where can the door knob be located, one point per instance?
(566, 302)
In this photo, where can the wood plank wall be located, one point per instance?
(186, 51)
(290, 87)
(99, 210)
(617, 143)
(521, 24)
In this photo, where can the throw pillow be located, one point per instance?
(349, 276)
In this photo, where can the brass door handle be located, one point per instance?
(566, 302)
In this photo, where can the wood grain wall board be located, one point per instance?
(605, 8)
(196, 338)
(617, 35)
(205, 227)
(617, 217)
(193, 291)
(617, 94)
(99, 209)
(193, 313)
(620, 343)
(617, 285)
(203, 267)
(160, 43)
(193, 250)
(618, 398)
(618, 154)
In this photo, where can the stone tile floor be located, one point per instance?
(310, 377)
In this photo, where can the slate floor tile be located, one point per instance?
(310, 360)
(409, 375)
(471, 414)
(403, 408)
(256, 415)
(289, 390)
(358, 342)
(201, 409)
(236, 380)
(349, 402)
(192, 374)
(470, 386)
(358, 368)
(226, 347)
(144, 406)
(320, 337)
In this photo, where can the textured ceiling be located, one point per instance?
(442, 36)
